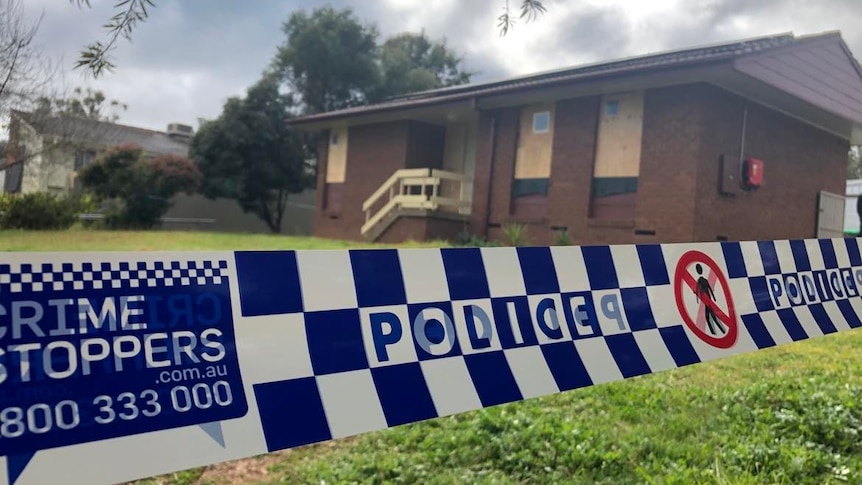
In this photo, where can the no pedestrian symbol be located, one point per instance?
(704, 300)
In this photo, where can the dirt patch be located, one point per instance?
(248, 470)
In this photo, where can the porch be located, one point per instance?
(417, 193)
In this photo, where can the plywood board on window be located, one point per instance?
(619, 136)
(336, 162)
(533, 155)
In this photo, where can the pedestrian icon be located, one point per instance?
(711, 317)
(704, 290)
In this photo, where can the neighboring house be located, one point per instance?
(647, 149)
(45, 154)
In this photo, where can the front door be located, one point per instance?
(830, 215)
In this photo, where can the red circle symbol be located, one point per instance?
(712, 324)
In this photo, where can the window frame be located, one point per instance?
(546, 114)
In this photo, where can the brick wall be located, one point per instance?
(421, 229)
(571, 169)
(800, 160)
(320, 186)
(669, 151)
(672, 133)
(686, 129)
(374, 152)
(497, 139)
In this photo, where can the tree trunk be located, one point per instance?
(279, 209)
(266, 216)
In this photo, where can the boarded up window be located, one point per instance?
(336, 161)
(533, 161)
(533, 158)
(618, 153)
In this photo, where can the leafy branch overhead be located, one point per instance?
(530, 9)
(95, 57)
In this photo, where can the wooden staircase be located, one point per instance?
(423, 192)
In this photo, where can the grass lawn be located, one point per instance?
(84, 240)
(789, 415)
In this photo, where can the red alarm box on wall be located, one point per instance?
(752, 173)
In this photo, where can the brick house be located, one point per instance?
(658, 148)
(45, 153)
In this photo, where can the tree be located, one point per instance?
(411, 62)
(25, 73)
(59, 119)
(248, 154)
(96, 58)
(331, 60)
(328, 57)
(85, 104)
(137, 188)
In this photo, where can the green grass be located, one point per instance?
(85, 240)
(788, 415)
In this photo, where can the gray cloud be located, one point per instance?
(192, 54)
(593, 32)
(708, 21)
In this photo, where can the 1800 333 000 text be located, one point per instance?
(86, 365)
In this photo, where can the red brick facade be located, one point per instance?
(422, 229)
(799, 159)
(374, 152)
(686, 130)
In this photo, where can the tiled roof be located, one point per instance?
(103, 133)
(677, 58)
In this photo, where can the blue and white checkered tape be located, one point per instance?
(198, 360)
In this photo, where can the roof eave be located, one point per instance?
(325, 120)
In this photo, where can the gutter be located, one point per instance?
(502, 90)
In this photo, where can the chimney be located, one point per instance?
(180, 132)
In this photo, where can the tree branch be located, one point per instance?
(529, 9)
(95, 57)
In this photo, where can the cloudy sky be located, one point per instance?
(192, 54)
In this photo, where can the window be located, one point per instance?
(541, 122)
(532, 171)
(84, 158)
(617, 160)
(336, 162)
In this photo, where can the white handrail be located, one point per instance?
(391, 181)
(423, 179)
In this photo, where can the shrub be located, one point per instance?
(516, 234)
(563, 238)
(41, 210)
(136, 191)
(467, 239)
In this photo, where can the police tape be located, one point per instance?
(120, 366)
